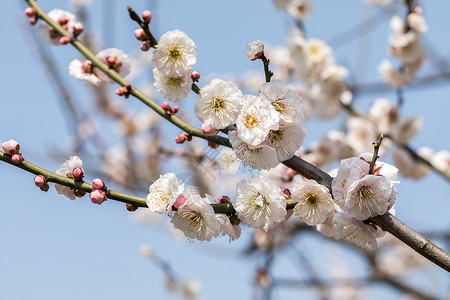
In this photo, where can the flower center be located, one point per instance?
(312, 199)
(365, 192)
(218, 103)
(87, 68)
(174, 81)
(174, 53)
(250, 121)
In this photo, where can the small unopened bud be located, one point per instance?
(65, 40)
(181, 138)
(286, 192)
(98, 184)
(131, 207)
(78, 173)
(146, 16)
(39, 180)
(30, 11)
(208, 130)
(98, 196)
(145, 46)
(175, 109)
(213, 145)
(79, 193)
(11, 147)
(77, 29)
(179, 201)
(17, 158)
(195, 75)
(140, 34)
(110, 60)
(45, 187)
(33, 20)
(224, 199)
(120, 91)
(290, 172)
(166, 106)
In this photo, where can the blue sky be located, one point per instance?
(54, 248)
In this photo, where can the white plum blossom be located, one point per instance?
(261, 157)
(227, 161)
(369, 197)
(361, 194)
(260, 203)
(341, 225)
(256, 119)
(441, 161)
(287, 139)
(196, 219)
(318, 52)
(164, 192)
(299, 9)
(233, 231)
(315, 203)
(391, 75)
(84, 71)
(172, 88)
(255, 50)
(408, 166)
(116, 60)
(175, 54)
(286, 102)
(64, 18)
(66, 170)
(218, 103)
(417, 22)
(361, 134)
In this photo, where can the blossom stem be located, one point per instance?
(376, 147)
(267, 71)
(120, 80)
(134, 16)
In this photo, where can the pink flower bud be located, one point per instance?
(30, 11)
(290, 172)
(33, 20)
(65, 40)
(140, 34)
(131, 207)
(146, 16)
(166, 106)
(208, 130)
(195, 75)
(110, 60)
(179, 201)
(17, 158)
(77, 29)
(181, 138)
(175, 109)
(224, 199)
(286, 192)
(145, 46)
(40, 180)
(98, 184)
(120, 91)
(78, 173)
(11, 147)
(98, 196)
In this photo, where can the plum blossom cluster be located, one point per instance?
(267, 128)
(174, 58)
(12, 148)
(406, 47)
(71, 168)
(299, 9)
(65, 19)
(315, 65)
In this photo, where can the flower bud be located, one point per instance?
(110, 60)
(11, 147)
(175, 109)
(146, 16)
(77, 29)
(287, 193)
(213, 145)
(39, 180)
(131, 207)
(181, 138)
(33, 20)
(98, 184)
(65, 40)
(140, 34)
(78, 173)
(195, 75)
(98, 196)
(255, 50)
(145, 46)
(79, 193)
(30, 11)
(45, 187)
(166, 106)
(17, 158)
(208, 130)
(224, 199)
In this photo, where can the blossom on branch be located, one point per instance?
(116, 60)
(66, 170)
(172, 88)
(64, 18)
(164, 192)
